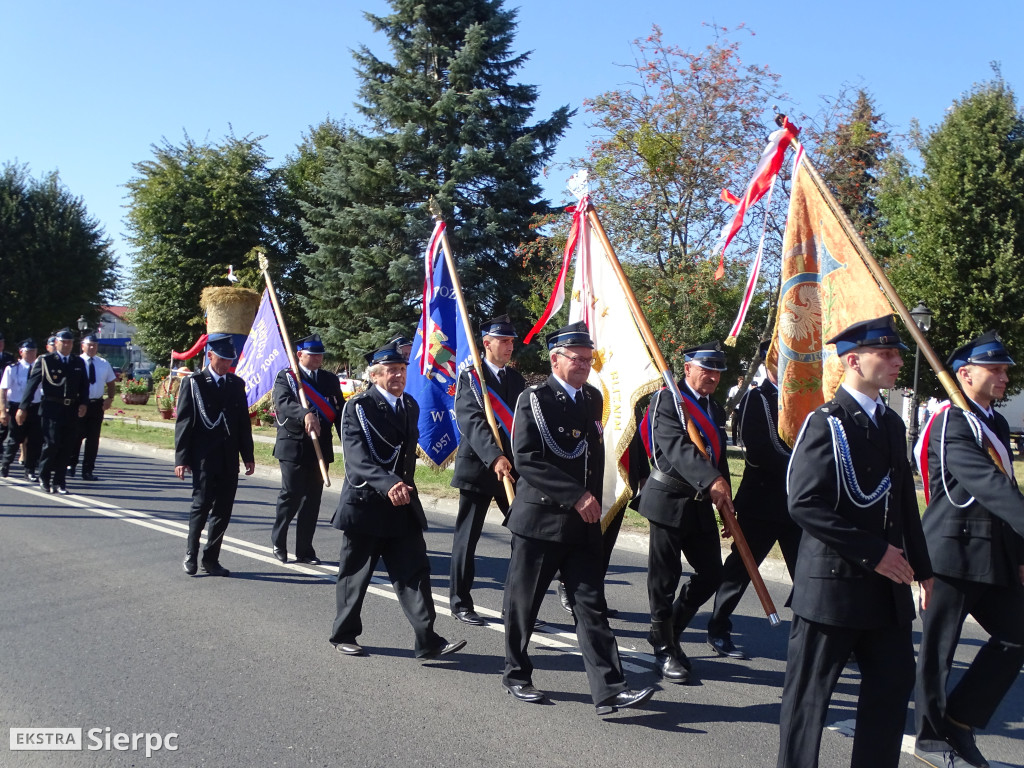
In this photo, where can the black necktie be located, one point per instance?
(580, 404)
(704, 403)
(501, 376)
(399, 410)
(220, 383)
(92, 372)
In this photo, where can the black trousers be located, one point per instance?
(213, 495)
(974, 699)
(761, 536)
(608, 538)
(816, 657)
(302, 487)
(468, 526)
(405, 558)
(702, 551)
(530, 571)
(30, 433)
(89, 428)
(59, 439)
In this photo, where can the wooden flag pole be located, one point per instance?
(666, 373)
(264, 264)
(477, 362)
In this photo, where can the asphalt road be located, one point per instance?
(103, 630)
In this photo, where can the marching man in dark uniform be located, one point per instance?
(302, 485)
(677, 500)
(6, 359)
(555, 522)
(12, 388)
(852, 492)
(974, 525)
(101, 379)
(762, 507)
(380, 510)
(211, 432)
(482, 462)
(65, 393)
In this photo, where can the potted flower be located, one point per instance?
(165, 404)
(134, 391)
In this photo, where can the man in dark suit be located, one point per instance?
(761, 503)
(852, 492)
(974, 525)
(380, 510)
(678, 502)
(302, 484)
(555, 522)
(482, 462)
(65, 394)
(211, 432)
(12, 387)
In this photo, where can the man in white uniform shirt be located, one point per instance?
(12, 385)
(101, 379)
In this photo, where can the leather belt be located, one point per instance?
(96, 400)
(674, 483)
(62, 400)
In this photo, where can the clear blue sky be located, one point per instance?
(88, 87)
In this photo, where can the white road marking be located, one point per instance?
(633, 661)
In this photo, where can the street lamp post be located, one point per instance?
(82, 323)
(128, 365)
(922, 319)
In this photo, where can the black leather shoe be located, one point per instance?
(215, 569)
(312, 560)
(5, 470)
(280, 554)
(724, 646)
(469, 617)
(62, 490)
(350, 649)
(539, 626)
(670, 669)
(32, 477)
(624, 700)
(190, 565)
(563, 598)
(89, 476)
(443, 650)
(526, 693)
(44, 486)
(961, 739)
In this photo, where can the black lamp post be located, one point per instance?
(82, 323)
(128, 365)
(922, 317)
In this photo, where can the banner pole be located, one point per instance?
(645, 330)
(477, 363)
(292, 361)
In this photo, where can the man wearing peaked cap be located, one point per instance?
(6, 359)
(380, 512)
(62, 379)
(974, 526)
(555, 521)
(302, 484)
(12, 387)
(482, 461)
(852, 492)
(677, 500)
(101, 377)
(211, 432)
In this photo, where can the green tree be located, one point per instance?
(194, 209)
(850, 150)
(958, 234)
(445, 120)
(56, 261)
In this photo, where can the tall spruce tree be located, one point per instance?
(958, 229)
(445, 120)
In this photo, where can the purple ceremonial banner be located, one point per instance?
(263, 354)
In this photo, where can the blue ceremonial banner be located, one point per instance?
(263, 355)
(439, 352)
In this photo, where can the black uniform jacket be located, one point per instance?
(762, 491)
(65, 385)
(835, 582)
(477, 448)
(215, 442)
(548, 429)
(379, 449)
(982, 540)
(673, 453)
(293, 444)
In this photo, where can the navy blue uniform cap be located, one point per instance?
(499, 326)
(879, 333)
(710, 356)
(221, 345)
(311, 344)
(572, 335)
(986, 349)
